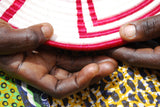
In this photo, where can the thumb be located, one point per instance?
(141, 30)
(18, 40)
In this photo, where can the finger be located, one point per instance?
(143, 57)
(101, 59)
(73, 63)
(60, 73)
(141, 30)
(77, 81)
(76, 62)
(18, 40)
(105, 68)
(83, 78)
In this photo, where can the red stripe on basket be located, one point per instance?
(119, 16)
(81, 23)
(102, 45)
(108, 31)
(92, 11)
(88, 47)
(12, 10)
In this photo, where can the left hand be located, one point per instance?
(57, 72)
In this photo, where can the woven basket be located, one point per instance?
(79, 24)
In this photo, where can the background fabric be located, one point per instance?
(9, 94)
(126, 87)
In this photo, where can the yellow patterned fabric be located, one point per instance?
(9, 94)
(126, 87)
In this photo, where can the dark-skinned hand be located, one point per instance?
(143, 47)
(56, 72)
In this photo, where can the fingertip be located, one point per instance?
(141, 30)
(47, 30)
(128, 32)
(87, 74)
(101, 59)
(91, 69)
(106, 68)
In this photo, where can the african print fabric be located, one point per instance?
(9, 94)
(126, 87)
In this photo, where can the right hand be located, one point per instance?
(143, 48)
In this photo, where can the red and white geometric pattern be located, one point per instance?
(79, 24)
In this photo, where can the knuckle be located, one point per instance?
(150, 26)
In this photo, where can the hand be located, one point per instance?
(144, 48)
(19, 40)
(56, 72)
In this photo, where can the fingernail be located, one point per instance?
(129, 31)
(47, 30)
